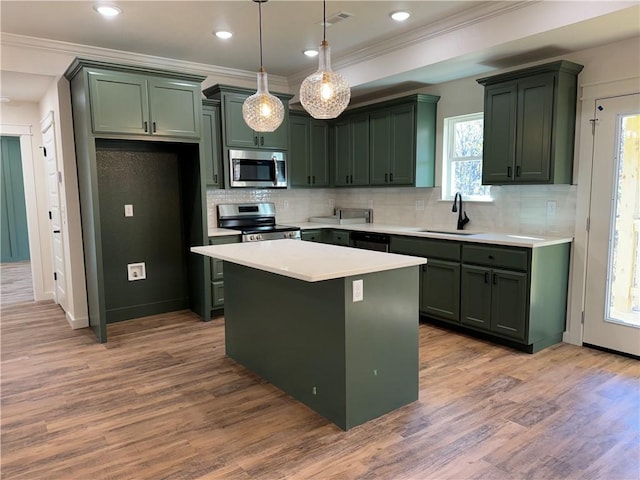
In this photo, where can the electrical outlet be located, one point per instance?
(285, 204)
(551, 208)
(370, 204)
(128, 210)
(358, 290)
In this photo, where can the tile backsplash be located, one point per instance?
(515, 208)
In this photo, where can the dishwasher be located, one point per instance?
(370, 241)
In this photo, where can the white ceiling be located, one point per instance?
(182, 30)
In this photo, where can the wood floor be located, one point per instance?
(15, 283)
(161, 401)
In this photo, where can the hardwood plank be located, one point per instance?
(161, 400)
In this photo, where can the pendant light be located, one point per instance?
(262, 111)
(325, 93)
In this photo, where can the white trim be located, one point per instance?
(223, 74)
(77, 323)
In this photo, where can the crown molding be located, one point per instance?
(465, 19)
(222, 74)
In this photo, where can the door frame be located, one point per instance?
(28, 176)
(585, 141)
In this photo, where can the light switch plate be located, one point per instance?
(358, 290)
(128, 210)
(551, 208)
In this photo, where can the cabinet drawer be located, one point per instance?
(444, 249)
(216, 269)
(314, 235)
(513, 259)
(217, 294)
(340, 237)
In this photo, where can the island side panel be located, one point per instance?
(291, 333)
(382, 357)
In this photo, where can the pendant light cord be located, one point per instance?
(260, 29)
(324, 20)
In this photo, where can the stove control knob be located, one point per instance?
(252, 238)
(259, 236)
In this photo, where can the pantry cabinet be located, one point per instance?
(529, 125)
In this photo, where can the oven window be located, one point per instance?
(253, 170)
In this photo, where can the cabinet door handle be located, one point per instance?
(391, 177)
(346, 179)
(313, 179)
(518, 171)
(308, 180)
(255, 140)
(386, 177)
(261, 140)
(153, 125)
(56, 231)
(490, 257)
(215, 178)
(146, 127)
(351, 179)
(486, 277)
(509, 172)
(495, 279)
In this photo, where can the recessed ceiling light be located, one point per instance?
(310, 52)
(400, 16)
(223, 34)
(107, 10)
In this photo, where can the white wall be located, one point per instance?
(58, 100)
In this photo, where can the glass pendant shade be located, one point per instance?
(325, 93)
(262, 111)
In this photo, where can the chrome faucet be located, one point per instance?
(462, 216)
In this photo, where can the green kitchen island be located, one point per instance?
(334, 327)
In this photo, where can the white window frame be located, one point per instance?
(447, 161)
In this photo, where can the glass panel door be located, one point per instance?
(611, 311)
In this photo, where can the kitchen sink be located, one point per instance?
(453, 232)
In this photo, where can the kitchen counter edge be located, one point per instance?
(491, 238)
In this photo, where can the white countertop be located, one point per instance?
(493, 238)
(308, 261)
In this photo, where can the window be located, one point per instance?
(462, 158)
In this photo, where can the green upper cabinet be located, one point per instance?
(393, 152)
(351, 151)
(235, 132)
(529, 125)
(139, 104)
(395, 139)
(308, 151)
(210, 145)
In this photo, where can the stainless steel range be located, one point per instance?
(256, 221)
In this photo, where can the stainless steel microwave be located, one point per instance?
(257, 169)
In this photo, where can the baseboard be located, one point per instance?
(77, 323)
(137, 311)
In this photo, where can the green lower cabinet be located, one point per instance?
(340, 237)
(495, 300)
(313, 235)
(440, 290)
(217, 274)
